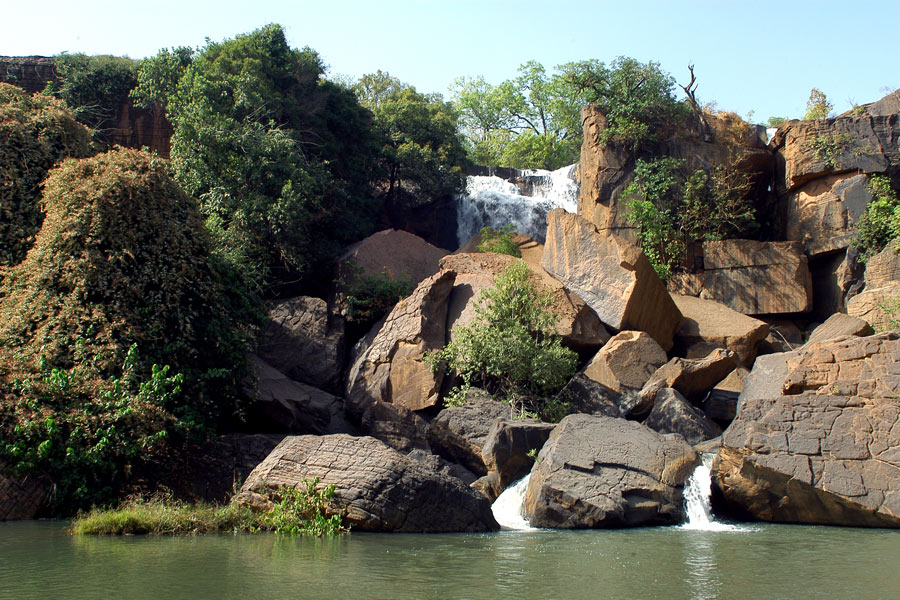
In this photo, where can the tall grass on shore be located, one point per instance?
(290, 511)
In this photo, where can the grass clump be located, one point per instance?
(302, 511)
(499, 241)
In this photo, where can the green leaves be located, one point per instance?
(881, 221)
(509, 349)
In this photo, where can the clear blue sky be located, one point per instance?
(758, 55)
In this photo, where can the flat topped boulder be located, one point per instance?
(818, 441)
(376, 488)
(839, 325)
(596, 472)
(576, 322)
(611, 275)
(757, 278)
(716, 325)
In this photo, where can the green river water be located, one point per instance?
(38, 560)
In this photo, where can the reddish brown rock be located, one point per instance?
(756, 278)
(611, 275)
(839, 325)
(713, 323)
(305, 342)
(816, 442)
(596, 472)
(392, 253)
(376, 488)
(869, 305)
(692, 377)
(390, 368)
(510, 450)
(626, 362)
(883, 269)
(822, 214)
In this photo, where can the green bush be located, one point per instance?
(122, 259)
(35, 133)
(370, 297)
(303, 511)
(94, 87)
(499, 241)
(509, 349)
(881, 221)
(672, 210)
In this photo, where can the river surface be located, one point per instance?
(37, 560)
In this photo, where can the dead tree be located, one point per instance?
(702, 124)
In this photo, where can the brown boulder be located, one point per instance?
(611, 275)
(282, 405)
(839, 325)
(884, 268)
(596, 472)
(305, 342)
(626, 362)
(693, 377)
(584, 395)
(458, 433)
(510, 450)
(375, 487)
(869, 305)
(720, 404)
(393, 253)
(822, 447)
(756, 278)
(714, 324)
(822, 214)
(576, 323)
(673, 414)
(390, 368)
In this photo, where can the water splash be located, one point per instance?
(507, 508)
(696, 499)
(495, 202)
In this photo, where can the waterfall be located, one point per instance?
(696, 499)
(524, 202)
(507, 508)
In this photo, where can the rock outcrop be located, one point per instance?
(822, 213)
(611, 275)
(708, 324)
(459, 432)
(391, 253)
(693, 377)
(510, 449)
(305, 342)
(22, 498)
(839, 325)
(626, 362)
(756, 278)
(869, 305)
(598, 472)
(673, 414)
(816, 436)
(376, 488)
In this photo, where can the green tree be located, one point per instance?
(881, 221)
(279, 157)
(420, 152)
(510, 349)
(817, 107)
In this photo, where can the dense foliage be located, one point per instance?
(279, 158)
(817, 107)
(35, 133)
(509, 349)
(419, 147)
(120, 282)
(672, 209)
(94, 87)
(881, 221)
(499, 241)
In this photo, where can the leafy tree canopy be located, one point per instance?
(818, 106)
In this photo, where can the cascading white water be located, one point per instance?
(507, 508)
(696, 499)
(495, 202)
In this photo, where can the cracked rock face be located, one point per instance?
(826, 449)
(376, 488)
(597, 472)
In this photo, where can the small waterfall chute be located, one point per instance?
(507, 508)
(495, 202)
(697, 494)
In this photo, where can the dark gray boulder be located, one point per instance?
(459, 432)
(673, 414)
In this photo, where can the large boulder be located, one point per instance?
(815, 439)
(611, 275)
(510, 449)
(584, 395)
(281, 405)
(869, 305)
(392, 253)
(693, 377)
(756, 278)
(304, 341)
(626, 362)
(720, 404)
(459, 432)
(388, 366)
(839, 325)
(673, 414)
(822, 213)
(884, 268)
(807, 150)
(376, 488)
(713, 324)
(597, 472)
(576, 322)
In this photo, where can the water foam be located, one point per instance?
(507, 508)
